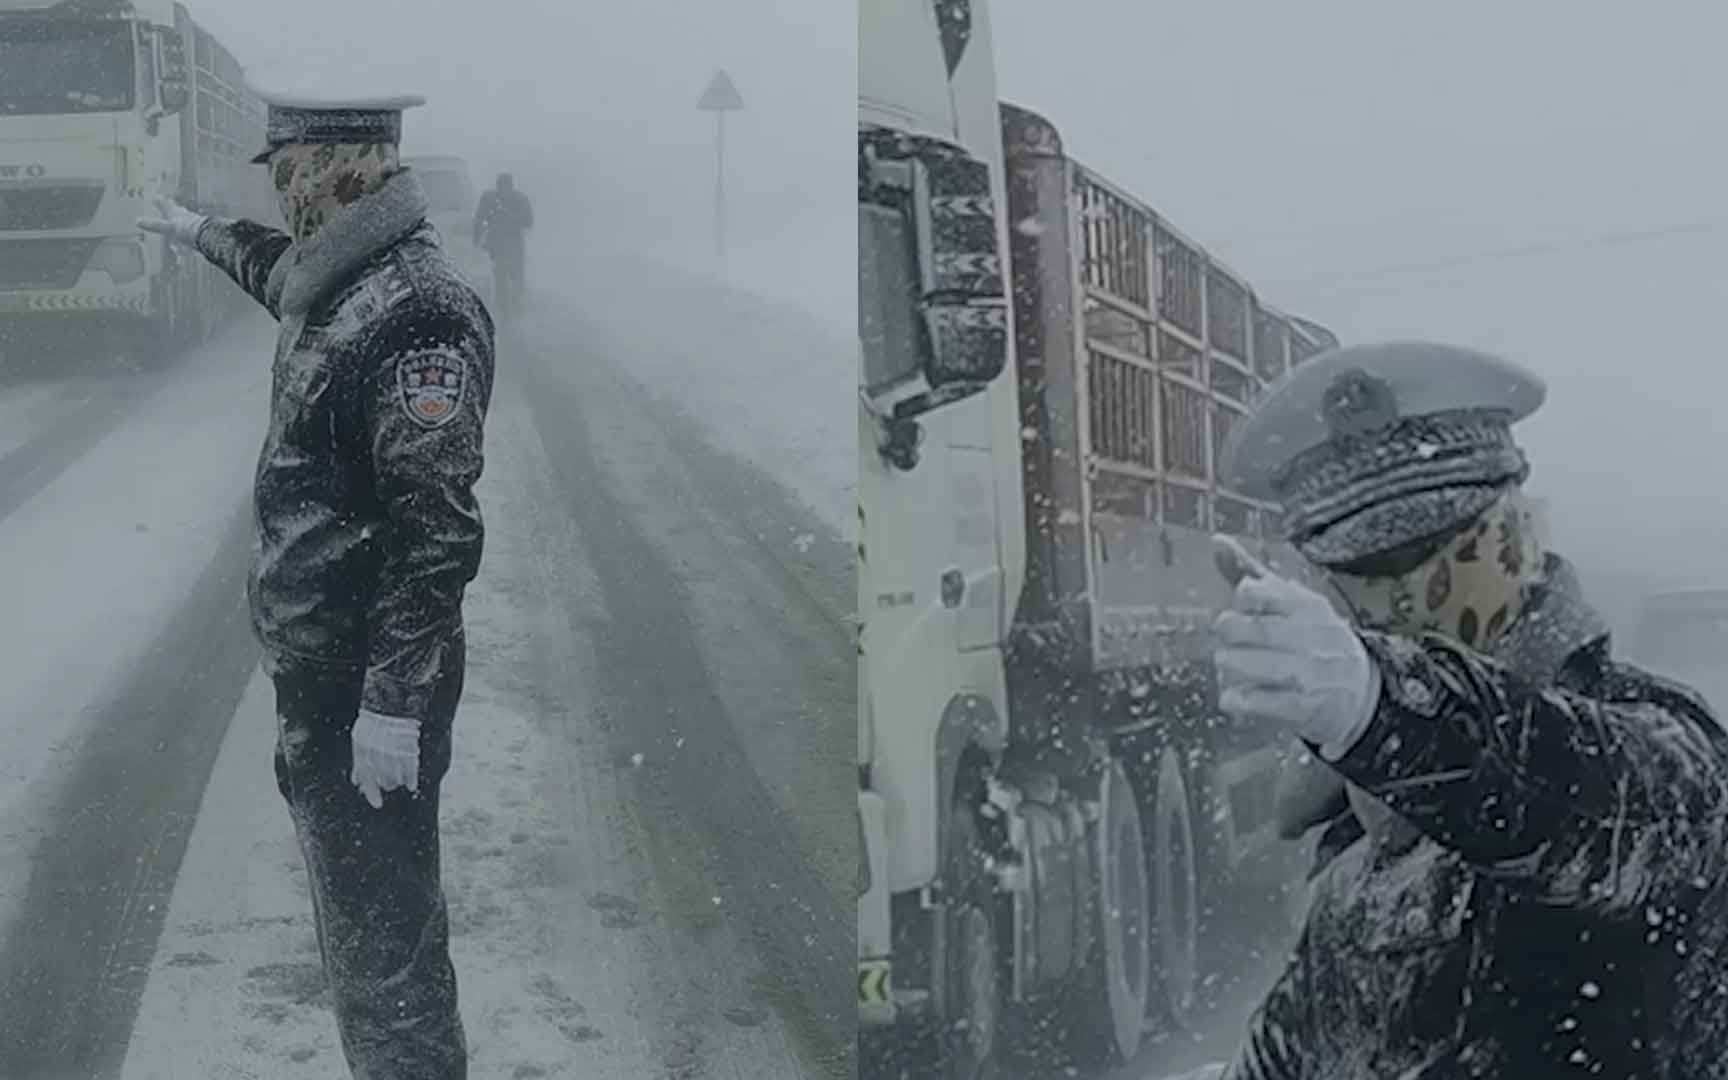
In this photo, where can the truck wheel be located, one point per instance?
(1107, 1012)
(1175, 896)
(970, 1035)
(152, 342)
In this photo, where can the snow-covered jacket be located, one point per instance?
(368, 526)
(500, 221)
(1565, 911)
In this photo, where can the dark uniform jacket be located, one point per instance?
(368, 527)
(1565, 912)
(500, 221)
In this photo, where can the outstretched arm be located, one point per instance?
(244, 250)
(247, 252)
(1588, 801)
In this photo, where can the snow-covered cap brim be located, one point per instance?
(1395, 523)
(1362, 388)
(300, 118)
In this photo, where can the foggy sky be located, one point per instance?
(593, 105)
(1306, 141)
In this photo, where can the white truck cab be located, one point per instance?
(106, 105)
(1057, 825)
(936, 565)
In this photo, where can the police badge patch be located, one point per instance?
(432, 386)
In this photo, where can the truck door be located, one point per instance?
(973, 583)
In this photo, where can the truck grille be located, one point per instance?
(43, 264)
(55, 206)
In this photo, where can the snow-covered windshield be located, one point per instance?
(54, 67)
(888, 325)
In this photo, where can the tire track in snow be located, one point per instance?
(97, 395)
(657, 664)
(33, 466)
(74, 962)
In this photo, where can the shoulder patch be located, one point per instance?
(432, 384)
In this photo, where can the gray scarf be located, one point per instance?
(1556, 622)
(307, 271)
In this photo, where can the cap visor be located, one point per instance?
(263, 156)
(1392, 524)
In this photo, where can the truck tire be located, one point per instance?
(1173, 850)
(153, 342)
(1106, 1013)
(969, 1035)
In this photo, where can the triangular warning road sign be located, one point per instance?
(721, 95)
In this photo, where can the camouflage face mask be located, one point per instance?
(315, 181)
(1471, 589)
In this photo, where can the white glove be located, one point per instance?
(386, 755)
(178, 224)
(1285, 656)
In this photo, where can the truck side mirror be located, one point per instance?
(176, 81)
(964, 301)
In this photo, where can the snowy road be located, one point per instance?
(649, 850)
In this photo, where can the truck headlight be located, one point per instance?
(122, 260)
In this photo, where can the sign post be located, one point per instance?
(720, 98)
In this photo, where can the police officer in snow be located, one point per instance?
(369, 532)
(1541, 889)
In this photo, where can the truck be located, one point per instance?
(104, 106)
(1061, 836)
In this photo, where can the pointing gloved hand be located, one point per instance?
(177, 223)
(386, 755)
(1285, 656)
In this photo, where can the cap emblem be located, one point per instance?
(1357, 403)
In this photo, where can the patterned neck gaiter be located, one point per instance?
(314, 181)
(1471, 590)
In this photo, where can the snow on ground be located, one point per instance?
(98, 557)
(769, 382)
(98, 560)
(26, 411)
(569, 966)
